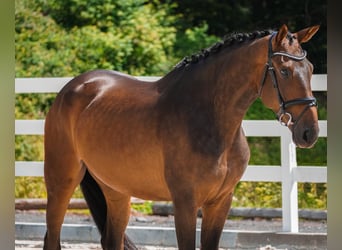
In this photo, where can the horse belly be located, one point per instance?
(136, 176)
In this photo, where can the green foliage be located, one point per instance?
(312, 195)
(34, 36)
(259, 112)
(145, 208)
(268, 194)
(33, 106)
(193, 40)
(29, 148)
(315, 156)
(34, 187)
(29, 187)
(322, 104)
(138, 41)
(224, 17)
(264, 150)
(103, 14)
(257, 194)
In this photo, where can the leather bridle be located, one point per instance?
(309, 101)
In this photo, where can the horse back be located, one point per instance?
(109, 91)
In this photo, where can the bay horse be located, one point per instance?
(176, 139)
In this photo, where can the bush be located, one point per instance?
(51, 42)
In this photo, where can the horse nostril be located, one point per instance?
(306, 135)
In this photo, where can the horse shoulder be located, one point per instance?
(238, 155)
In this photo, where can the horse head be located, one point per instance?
(286, 87)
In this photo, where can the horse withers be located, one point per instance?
(177, 139)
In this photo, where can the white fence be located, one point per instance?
(288, 173)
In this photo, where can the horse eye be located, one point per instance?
(285, 73)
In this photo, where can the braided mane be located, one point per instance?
(171, 85)
(227, 41)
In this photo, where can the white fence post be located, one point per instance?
(289, 184)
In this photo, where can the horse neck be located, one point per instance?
(233, 82)
(214, 94)
(238, 85)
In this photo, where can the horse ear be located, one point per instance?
(281, 34)
(306, 34)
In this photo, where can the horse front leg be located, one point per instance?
(185, 222)
(214, 217)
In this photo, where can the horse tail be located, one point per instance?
(98, 207)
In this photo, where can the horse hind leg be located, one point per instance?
(98, 207)
(62, 172)
(118, 212)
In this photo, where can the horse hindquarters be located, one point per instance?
(63, 172)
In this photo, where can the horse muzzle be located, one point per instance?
(305, 136)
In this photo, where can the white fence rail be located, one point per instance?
(288, 173)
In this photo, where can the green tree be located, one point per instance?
(128, 36)
(229, 16)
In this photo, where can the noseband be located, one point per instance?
(309, 101)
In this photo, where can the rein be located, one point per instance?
(309, 101)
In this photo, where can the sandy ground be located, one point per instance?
(138, 219)
(34, 245)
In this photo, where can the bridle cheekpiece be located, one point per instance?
(309, 101)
